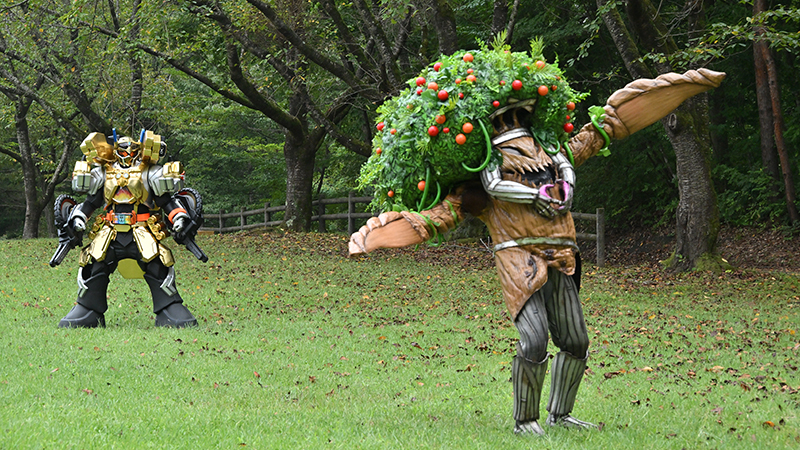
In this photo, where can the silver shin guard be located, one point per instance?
(567, 373)
(527, 377)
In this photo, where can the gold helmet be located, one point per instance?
(126, 150)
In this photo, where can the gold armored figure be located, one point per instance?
(138, 199)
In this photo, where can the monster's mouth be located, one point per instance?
(527, 105)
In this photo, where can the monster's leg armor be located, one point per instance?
(167, 302)
(568, 329)
(529, 366)
(91, 302)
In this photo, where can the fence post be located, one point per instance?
(266, 214)
(320, 213)
(221, 220)
(601, 237)
(241, 219)
(351, 209)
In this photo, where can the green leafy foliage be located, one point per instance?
(419, 130)
(750, 198)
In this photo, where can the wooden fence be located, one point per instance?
(356, 219)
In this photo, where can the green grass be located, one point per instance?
(300, 347)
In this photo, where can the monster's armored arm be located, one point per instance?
(540, 198)
(400, 229)
(639, 104)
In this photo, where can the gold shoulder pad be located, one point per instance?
(96, 148)
(151, 146)
(173, 169)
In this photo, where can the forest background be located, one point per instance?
(274, 101)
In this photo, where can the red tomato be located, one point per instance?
(468, 57)
(380, 126)
(460, 95)
(502, 82)
(433, 130)
(543, 90)
(378, 151)
(420, 81)
(440, 119)
(461, 139)
(421, 185)
(390, 193)
(433, 86)
(437, 66)
(540, 64)
(467, 128)
(571, 106)
(393, 130)
(553, 87)
(496, 104)
(568, 127)
(443, 95)
(458, 80)
(469, 71)
(516, 85)
(419, 91)
(471, 78)
(445, 130)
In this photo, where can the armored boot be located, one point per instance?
(92, 303)
(527, 377)
(567, 373)
(167, 303)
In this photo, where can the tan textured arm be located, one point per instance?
(401, 229)
(639, 104)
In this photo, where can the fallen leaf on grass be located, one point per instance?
(467, 369)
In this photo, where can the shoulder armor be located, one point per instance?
(85, 179)
(153, 148)
(96, 148)
(166, 179)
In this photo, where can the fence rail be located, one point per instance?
(355, 219)
(268, 211)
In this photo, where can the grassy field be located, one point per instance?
(300, 347)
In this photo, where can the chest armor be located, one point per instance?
(126, 186)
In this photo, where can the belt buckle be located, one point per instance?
(122, 219)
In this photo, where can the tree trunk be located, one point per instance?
(33, 210)
(697, 221)
(697, 224)
(299, 157)
(769, 157)
(499, 16)
(769, 104)
(444, 22)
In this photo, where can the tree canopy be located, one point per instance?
(285, 93)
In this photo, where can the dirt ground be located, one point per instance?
(744, 248)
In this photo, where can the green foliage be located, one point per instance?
(414, 147)
(748, 198)
(635, 185)
(231, 165)
(397, 350)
